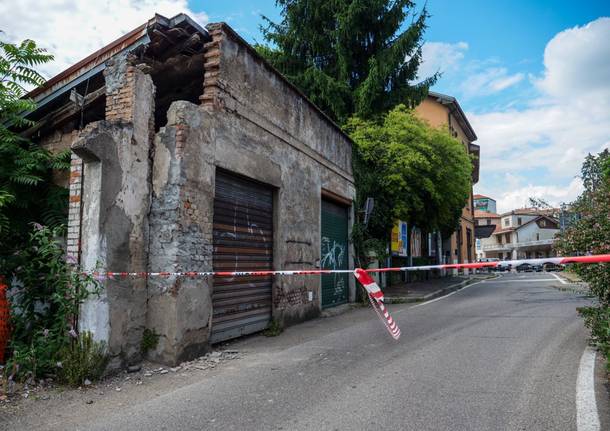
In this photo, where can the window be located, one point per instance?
(506, 221)
(519, 221)
(476, 222)
(507, 237)
(537, 237)
(542, 223)
(488, 221)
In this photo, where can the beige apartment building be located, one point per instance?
(440, 110)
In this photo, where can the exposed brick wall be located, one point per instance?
(55, 142)
(211, 78)
(74, 209)
(120, 101)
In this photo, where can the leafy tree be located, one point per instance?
(591, 234)
(538, 203)
(26, 192)
(415, 173)
(350, 56)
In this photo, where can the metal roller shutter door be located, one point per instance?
(334, 254)
(243, 241)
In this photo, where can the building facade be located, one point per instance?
(486, 223)
(440, 110)
(191, 153)
(522, 234)
(484, 203)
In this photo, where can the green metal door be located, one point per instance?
(334, 254)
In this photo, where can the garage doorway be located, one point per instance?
(243, 241)
(334, 253)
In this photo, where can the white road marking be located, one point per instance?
(528, 280)
(587, 418)
(559, 278)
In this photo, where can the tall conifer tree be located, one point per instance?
(351, 57)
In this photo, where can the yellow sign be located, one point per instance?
(398, 244)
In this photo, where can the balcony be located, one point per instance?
(517, 245)
(498, 247)
(536, 243)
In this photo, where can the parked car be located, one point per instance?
(552, 267)
(503, 268)
(488, 268)
(538, 267)
(525, 267)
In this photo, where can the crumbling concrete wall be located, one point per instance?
(179, 310)
(147, 200)
(115, 204)
(255, 124)
(267, 130)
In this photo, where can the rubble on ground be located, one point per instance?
(134, 375)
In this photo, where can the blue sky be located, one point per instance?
(491, 54)
(510, 34)
(532, 76)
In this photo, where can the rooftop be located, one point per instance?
(532, 211)
(456, 109)
(485, 214)
(477, 196)
(156, 36)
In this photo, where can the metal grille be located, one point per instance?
(334, 254)
(243, 240)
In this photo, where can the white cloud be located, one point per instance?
(577, 62)
(512, 198)
(440, 57)
(489, 81)
(71, 30)
(568, 117)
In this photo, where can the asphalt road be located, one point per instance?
(499, 355)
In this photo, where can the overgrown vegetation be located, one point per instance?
(83, 359)
(27, 193)
(590, 233)
(350, 57)
(415, 172)
(45, 301)
(45, 291)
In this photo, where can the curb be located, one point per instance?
(436, 293)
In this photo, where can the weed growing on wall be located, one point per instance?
(150, 340)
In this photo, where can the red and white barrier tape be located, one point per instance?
(375, 296)
(599, 258)
(374, 293)
(505, 263)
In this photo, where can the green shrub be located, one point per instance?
(46, 294)
(84, 359)
(598, 320)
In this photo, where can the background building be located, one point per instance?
(521, 234)
(484, 203)
(485, 225)
(440, 110)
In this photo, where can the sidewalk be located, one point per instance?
(425, 290)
